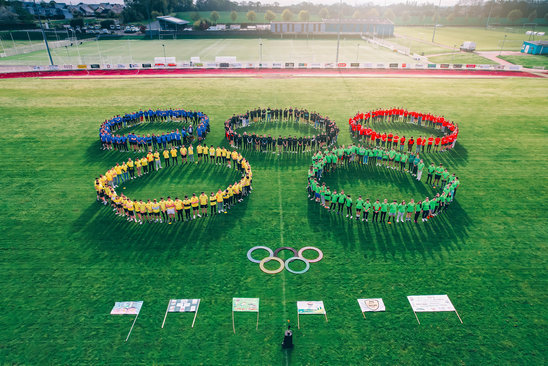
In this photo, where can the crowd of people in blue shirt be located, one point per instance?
(195, 126)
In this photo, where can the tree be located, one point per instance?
(6, 16)
(357, 15)
(233, 16)
(304, 15)
(195, 16)
(155, 14)
(269, 16)
(324, 13)
(106, 23)
(532, 15)
(77, 22)
(514, 15)
(214, 16)
(287, 15)
(372, 13)
(251, 16)
(389, 14)
(201, 24)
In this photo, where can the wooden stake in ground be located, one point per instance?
(132, 327)
(183, 306)
(127, 308)
(165, 316)
(431, 303)
(245, 304)
(310, 308)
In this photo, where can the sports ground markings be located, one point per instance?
(280, 206)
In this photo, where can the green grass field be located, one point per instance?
(453, 37)
(527, 60)
(129, 51)
(462, 58)
(66, 259)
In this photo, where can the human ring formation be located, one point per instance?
(195, 126)
(327, 131)
(361, 128)
(375, 150)
(273, 256)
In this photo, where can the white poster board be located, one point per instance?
(431, 303)
(245, 304)
(127, 308)
(182, 306)
(310, 307)
(367, 305)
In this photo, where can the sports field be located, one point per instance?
(66, 259)
(246, 50)
(448, 38)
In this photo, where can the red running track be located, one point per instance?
(267, 73)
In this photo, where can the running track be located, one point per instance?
(271, 73)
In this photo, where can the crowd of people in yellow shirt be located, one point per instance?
(170, 210)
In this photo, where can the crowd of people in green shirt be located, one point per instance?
(381, 210)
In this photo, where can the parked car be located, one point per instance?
(468, 46)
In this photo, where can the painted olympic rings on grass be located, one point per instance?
(270, 253)
(273, 256)
(306, 262)
(274, 271)
(320, 254)
(295, 254)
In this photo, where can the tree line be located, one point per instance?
(140, 10)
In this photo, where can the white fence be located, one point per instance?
(258, 66)
(38, 46)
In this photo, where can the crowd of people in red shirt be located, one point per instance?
(361, 128)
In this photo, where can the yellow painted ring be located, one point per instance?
(268, 259)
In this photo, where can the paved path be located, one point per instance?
(493, 56)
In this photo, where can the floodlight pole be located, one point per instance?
(77, 47)
(165, 58)
(489, 16)
(99, 50)
(358, 54)
(129, 49)
(44, 34)
(339, 33)
(502, 46)
(261, 53)
(436, 21)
